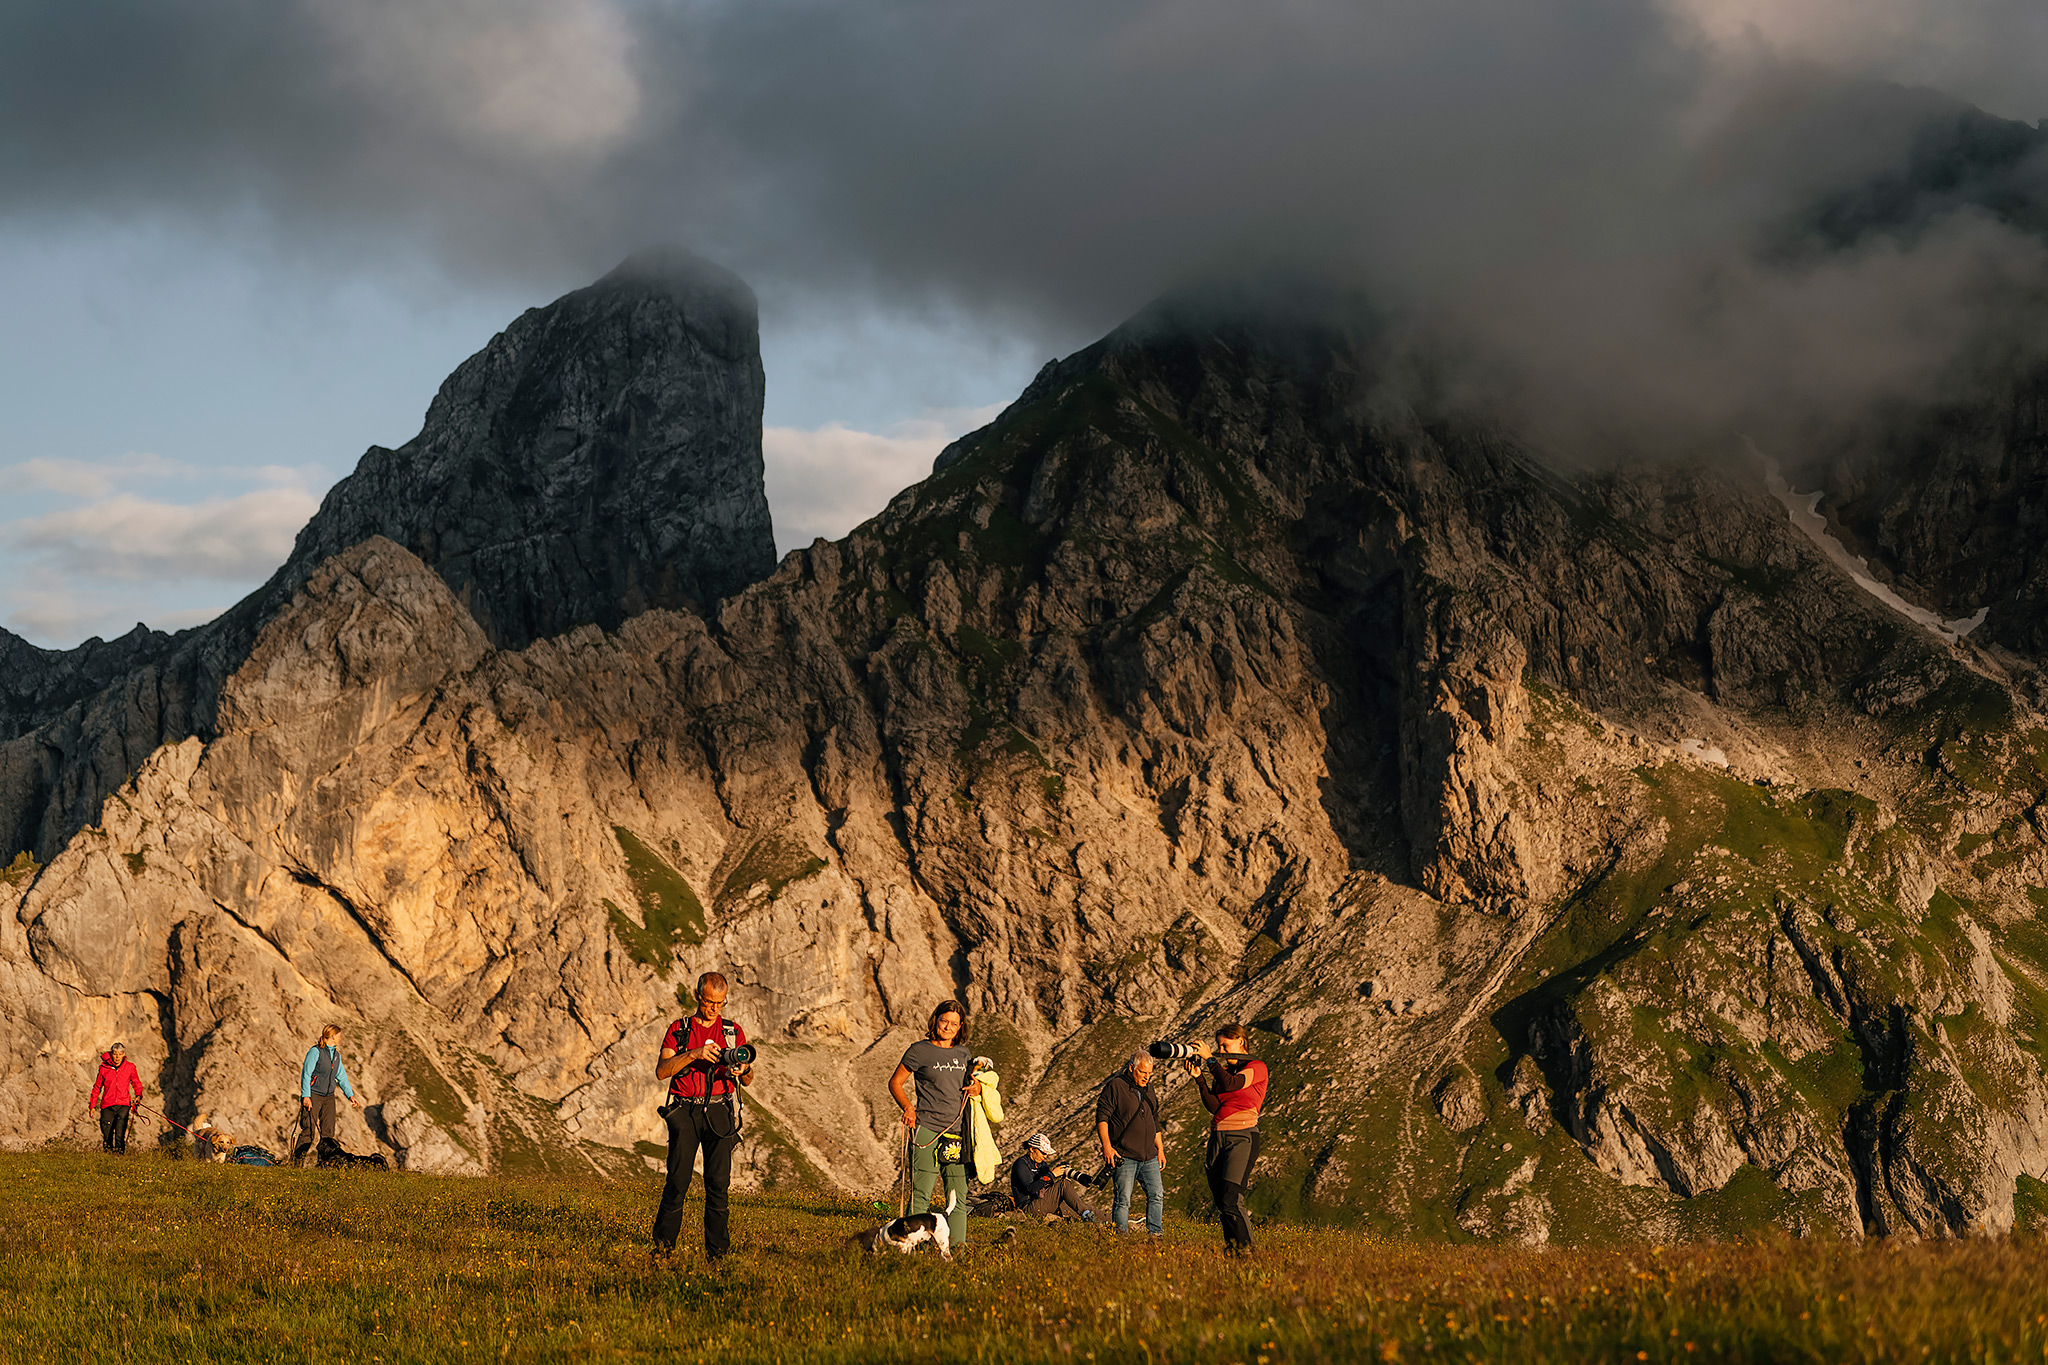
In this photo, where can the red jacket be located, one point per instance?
(115, 1084)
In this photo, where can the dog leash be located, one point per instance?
(165, 1117)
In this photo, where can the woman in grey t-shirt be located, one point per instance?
(935, 1113)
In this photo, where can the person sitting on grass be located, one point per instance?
(1047, 1190)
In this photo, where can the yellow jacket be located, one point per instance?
(984, 1110)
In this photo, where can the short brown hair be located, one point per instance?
(712, 979)
(1234, 1032)
(946, 1007)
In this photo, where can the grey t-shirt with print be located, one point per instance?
(941, 1074)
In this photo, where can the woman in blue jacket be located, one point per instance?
(319, 1077)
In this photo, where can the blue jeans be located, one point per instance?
(1146, 1173)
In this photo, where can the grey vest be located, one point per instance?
(324, 1068)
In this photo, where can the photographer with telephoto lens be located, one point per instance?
(703, 1113)
(1233, 1089)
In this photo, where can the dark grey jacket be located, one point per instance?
(1132, 1113)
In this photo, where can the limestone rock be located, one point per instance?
(600, 456)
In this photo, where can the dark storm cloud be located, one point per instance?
(1593, 193)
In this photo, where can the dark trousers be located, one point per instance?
(690, 1128)
(114, 1127)
(1062, 1196)
(320, 1115)
(1229, 1162)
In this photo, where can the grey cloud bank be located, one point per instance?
(1605, 206)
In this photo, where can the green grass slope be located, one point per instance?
(147, 1259)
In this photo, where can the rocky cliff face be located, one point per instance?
(1588, 853)
(602, 455)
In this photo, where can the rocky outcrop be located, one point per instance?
(601, 456)
(39, 684)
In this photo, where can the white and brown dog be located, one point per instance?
(905, 1233)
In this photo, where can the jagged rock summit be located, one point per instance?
(600, 456)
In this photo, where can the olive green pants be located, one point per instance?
(925, 1170)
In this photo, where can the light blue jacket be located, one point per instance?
(340, 1074)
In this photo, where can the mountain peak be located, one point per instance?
(602, 455)
(680, 272)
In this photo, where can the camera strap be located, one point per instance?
(732, 1039)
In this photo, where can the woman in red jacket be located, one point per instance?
(113, 1091)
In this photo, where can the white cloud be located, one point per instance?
(824, 481)
(128, 538)
(87, 478)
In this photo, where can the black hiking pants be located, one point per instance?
(693, 1128)
(1229, 1163)
(114, 1127)
(320, 1114)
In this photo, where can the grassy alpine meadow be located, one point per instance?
(148, 1259)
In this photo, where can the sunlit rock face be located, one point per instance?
(602, 455)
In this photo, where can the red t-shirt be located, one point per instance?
(684, 1035)
(1252, 1096)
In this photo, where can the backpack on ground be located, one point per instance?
(331, 1154)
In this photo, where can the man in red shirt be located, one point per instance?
(703, 1114)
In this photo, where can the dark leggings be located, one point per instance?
(1229, 1162)
(114, 1127)
(691, 1128)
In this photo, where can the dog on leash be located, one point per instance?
(210, 1142)
(905, 1233)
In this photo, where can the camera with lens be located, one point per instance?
(1175, 1052)
(743, 1055)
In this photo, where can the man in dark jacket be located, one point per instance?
(1047, 1190)
(1133, 1142)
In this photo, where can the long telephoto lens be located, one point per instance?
(1172, 1052)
